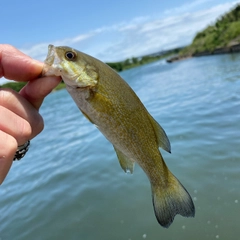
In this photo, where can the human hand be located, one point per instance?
(19, 117)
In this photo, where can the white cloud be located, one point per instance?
(163, 33)
(39, 51)
(142, 35)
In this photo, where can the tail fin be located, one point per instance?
(171, 200)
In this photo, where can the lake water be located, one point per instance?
(70, 184)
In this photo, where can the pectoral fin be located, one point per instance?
(163, 141)
(126, 163)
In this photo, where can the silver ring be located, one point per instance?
(21, 151)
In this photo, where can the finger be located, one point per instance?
(35, 91)
(8, 147)
(15, 103)
(15, 126)
(17, 66)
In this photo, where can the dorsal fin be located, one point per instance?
(126, 163)
(162, 138)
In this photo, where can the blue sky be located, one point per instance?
(109, 30)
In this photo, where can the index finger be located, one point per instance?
(15, 65)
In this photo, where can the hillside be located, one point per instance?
(221, 37)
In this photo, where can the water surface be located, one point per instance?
(70, 184)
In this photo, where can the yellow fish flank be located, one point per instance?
(109, 103)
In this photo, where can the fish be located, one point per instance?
(109, 103)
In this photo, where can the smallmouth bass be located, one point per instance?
(108, 102)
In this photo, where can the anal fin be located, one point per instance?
(162, 138)
(126, 164)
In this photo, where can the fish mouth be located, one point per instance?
(49, 68)
(51, 55)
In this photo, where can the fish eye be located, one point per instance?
(70, 56)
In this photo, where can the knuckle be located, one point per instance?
(26, 130)
(36, 125)
(39, 125)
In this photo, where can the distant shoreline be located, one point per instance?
(223, 50)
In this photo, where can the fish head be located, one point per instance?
(73, 66)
